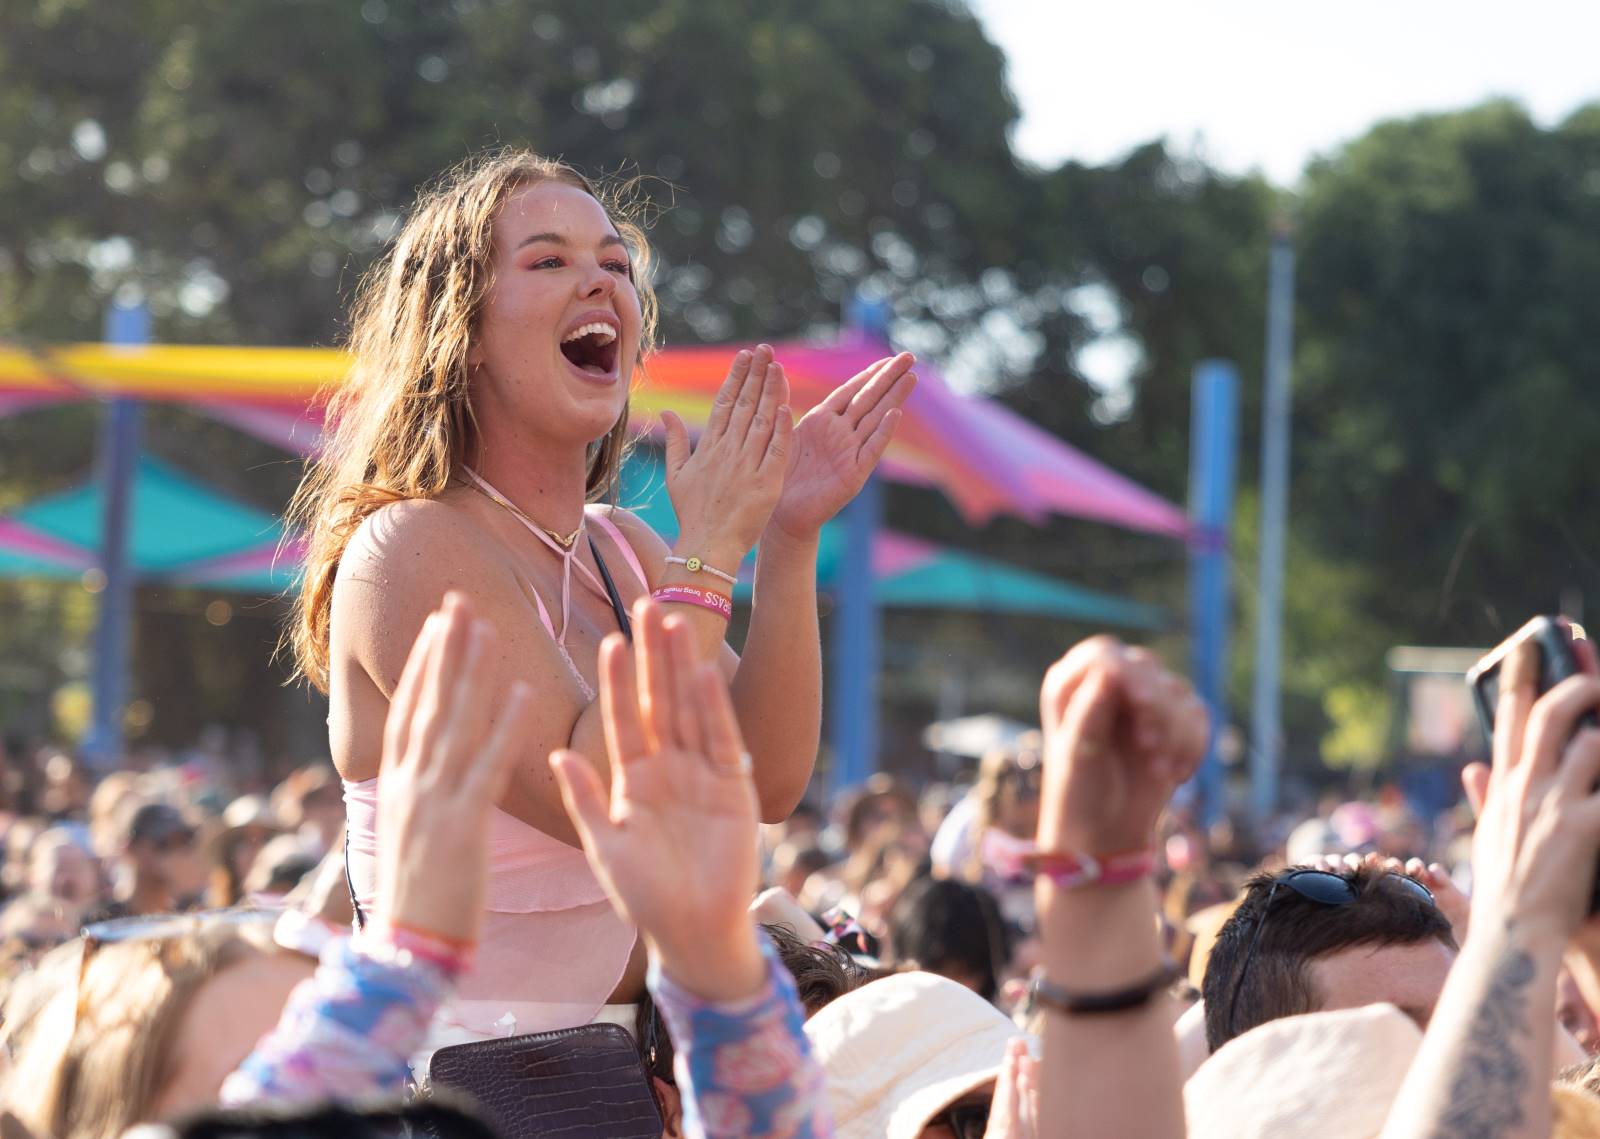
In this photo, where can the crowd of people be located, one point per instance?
(560, 875)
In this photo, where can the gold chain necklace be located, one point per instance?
(565, 541)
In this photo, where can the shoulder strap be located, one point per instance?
(614, 532)
(617, 607)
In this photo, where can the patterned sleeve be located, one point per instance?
(745, 1069)
(348, 1031)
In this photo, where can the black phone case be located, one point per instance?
(1557, 662)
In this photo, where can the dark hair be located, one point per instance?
(822, 974)
(951, 928)
(439, 1117)
(1298, 932)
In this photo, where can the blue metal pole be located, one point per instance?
(853, 671)
(852, 680)
(1213, 441)
(117, 462)
(1266, 743)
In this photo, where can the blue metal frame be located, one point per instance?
(852, 676)
(117, 458)
(1212, 447)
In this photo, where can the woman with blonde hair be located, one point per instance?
(484, 420)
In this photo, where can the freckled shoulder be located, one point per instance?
(649, 546)
(397, 569)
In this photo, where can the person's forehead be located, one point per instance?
(1409, 976)
(553, 207)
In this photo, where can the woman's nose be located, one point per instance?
(599, 283)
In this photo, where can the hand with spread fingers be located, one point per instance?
(675, 846)
(838, 443)
(725, 487)
(1121, 733)
(449, 744)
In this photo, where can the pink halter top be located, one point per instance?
(553, 949)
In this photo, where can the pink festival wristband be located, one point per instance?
(1071, 871)
(719, 603)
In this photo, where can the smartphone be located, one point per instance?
(1554, 639)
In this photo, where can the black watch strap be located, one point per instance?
(1053, 996)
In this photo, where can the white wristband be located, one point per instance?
(695, 565)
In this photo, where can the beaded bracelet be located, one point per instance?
(719, 603)
(695, 565)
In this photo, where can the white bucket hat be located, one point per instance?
(899, 1050)
(1324, 1075)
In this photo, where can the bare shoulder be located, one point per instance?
(415, 529)
(396, 570)
(649, 545)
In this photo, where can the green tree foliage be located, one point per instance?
(1447, 421)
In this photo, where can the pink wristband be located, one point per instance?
(446, 954)
(1070, 871)
(719, 603)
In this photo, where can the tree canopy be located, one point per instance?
(240, 162)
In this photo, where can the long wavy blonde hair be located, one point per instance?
(402, 419)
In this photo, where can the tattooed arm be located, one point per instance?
(1485, 1066)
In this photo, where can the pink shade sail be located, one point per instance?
(24, 540)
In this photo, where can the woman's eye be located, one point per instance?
(622, 267)
(546, 263)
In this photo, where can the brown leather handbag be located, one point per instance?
(573, 1083)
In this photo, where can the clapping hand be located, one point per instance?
(838, 443)
(675, 846)
(724, 488)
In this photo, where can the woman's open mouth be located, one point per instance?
(592, 349)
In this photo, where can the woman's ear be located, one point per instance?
(671, 1108)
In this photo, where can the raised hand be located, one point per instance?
(675, 847)
(1014, 1112)
(838, 443)
(448, 747)
(1121, 733)
(1533, 851)
(725, 488)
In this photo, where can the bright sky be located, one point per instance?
(1270, 83)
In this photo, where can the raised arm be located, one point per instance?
(825, 461)
(674, 843)
(1485, 1066)
(1120, 735)
(351, 1029)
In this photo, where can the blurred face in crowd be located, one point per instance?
(171, 860)
(323, 811)
(1410, 977)
(1017, 802)
(226, 1017)
(243, 847)
(1575, 1014)
(33, 925)
(66, 791)
(63, 870)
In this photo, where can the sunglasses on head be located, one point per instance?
(1320, 886)
(157, 929)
